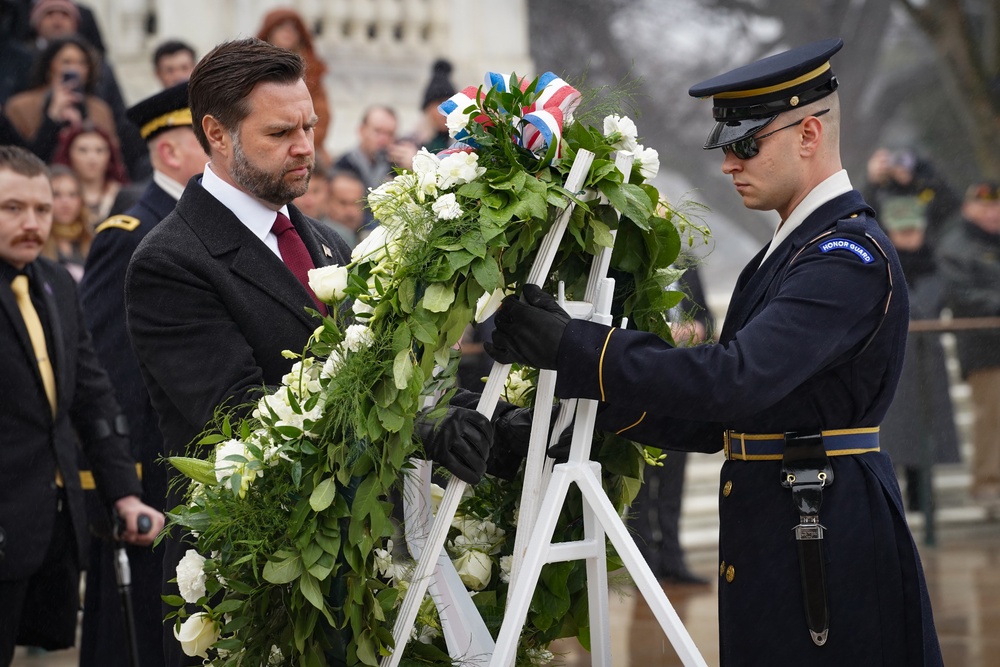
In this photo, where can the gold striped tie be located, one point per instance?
(20, 288)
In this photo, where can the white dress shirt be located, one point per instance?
(832, 187)
(255, 216)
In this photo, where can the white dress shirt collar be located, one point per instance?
(168, 185)
(255, 216)
(834, 186)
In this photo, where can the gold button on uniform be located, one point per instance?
(730, 573)
(727, 489)
(722, 568)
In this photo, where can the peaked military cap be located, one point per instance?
(161, 112)
(747, 98)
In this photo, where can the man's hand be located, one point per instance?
(460, 441)
(528, 332)
(512, 431)
(129, 509)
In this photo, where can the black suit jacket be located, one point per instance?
(210, 309)
(33, 442)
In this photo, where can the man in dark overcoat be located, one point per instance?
(817, 565)
(55, 395)
(218, 290)
(164, 121)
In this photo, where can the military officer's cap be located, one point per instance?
(748, 98)
(161, 112)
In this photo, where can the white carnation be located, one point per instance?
(276, 658)
(328, 282)
(357, 337)
(458, 168)
(624, 128)
(332, 365)
(191, 576)
(446, 207)
(506, 562)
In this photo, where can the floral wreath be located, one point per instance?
(292, 557)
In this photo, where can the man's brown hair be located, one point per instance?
(22, 162)
(222, 80)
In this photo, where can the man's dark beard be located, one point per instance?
(261, 184)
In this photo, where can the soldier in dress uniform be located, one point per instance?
(817, 565)
(164, 121)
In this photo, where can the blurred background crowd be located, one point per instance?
(922, 141)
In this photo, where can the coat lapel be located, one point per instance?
(9, 304)
(228, 239)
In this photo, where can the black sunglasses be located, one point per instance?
(747, 147)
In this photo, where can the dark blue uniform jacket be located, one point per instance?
(813, 340)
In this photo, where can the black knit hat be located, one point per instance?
(440, 87)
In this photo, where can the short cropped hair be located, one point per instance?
(225, 77)
(22, 161)
(169, 48)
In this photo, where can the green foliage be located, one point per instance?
(290, 504)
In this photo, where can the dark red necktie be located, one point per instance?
(295, 255)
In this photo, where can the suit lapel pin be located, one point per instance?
(327, 251)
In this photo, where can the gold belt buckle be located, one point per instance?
(726, 444)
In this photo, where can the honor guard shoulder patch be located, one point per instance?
(126, 222)
(846, 244)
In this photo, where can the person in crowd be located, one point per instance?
(58, 396)
(72, 232)
(817, 565)
(94, 157)
(894, 173)
(345, 206)
(57, 19)
(285, 28)
(921, 414)
(164, 121)
(173, 61)
(217, 290)
(969, 261)
(656, 510)
(432, 133)
(15, 57)
(313, 202)
(369, 160)
(63, 83)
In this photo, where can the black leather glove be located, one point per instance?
(460, 441)
(528, 332)
(512, 431)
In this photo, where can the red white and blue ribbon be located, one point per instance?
(543, 120)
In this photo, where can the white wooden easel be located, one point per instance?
(541, 502)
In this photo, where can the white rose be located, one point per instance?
(488, 304)
(425, 162)
(475, 569)
(649, 162)
(191, 576)
(458, 168)
(437, 495)
(358, 336)
(328, 282)
(360, 307)
(446, 207)
(457, 121)
(624, 128)
(224, 469)
(197, 634)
